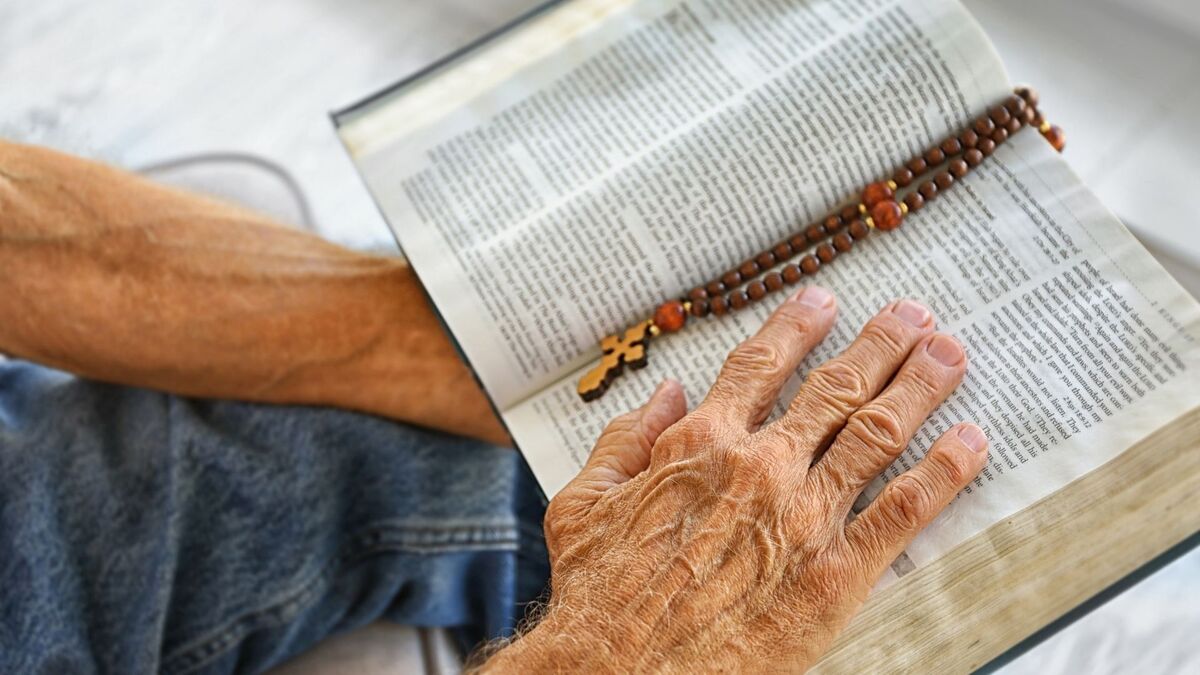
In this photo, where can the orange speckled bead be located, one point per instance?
(876, 193)
(887, 215)
(670, 316)
(1057, 137)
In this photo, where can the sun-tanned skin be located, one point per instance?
(700, 540)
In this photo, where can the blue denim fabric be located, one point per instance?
(141, 532)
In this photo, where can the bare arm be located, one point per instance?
(109, 276)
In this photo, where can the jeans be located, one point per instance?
(142, 532)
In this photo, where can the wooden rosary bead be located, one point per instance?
(732, 278)
(887, 216)
(903, 177)
(1029, 94)
(815, 233)
(1014, 125)
(756, 290)
(959, 167)
(1000, 135)
(700, 308)
(718, 305)
(1028, 115)
(974, 157)
(765, 260)
(670, 316)
(792, 273)
(849, 212)
(934, 157)
(943, 180)
(917, 165)
(1015, 104)
(859, 230)
(987, 146)
(928, 190)
(1056, 136)
(826, 253)
(1000, 115)
(698, 294)
(798, 242)
(748, 269)
(782, 250)
(843, 242)
(773, 281)
(738, 299)
(951, 146)
(984, 126)
(969, 138)
(715, 288)
(914, 201)
(809, 264)
(876, 193)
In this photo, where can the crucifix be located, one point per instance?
(629, 350)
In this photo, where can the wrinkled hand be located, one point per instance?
(708, 541)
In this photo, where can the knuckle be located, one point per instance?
(909, 503)
(694, 432)
(879, 427)
(885, 337)
(840, 384)
(757, 355)
(950, 468)
(926, 382)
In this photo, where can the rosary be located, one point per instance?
(880, 208)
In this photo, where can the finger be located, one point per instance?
(842, 385)
(879, 431)
(910, 502)
(623, 450)
(754, 373)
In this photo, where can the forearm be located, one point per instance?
(111, 277)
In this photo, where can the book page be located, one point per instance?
(1080, 344)
(555, 188)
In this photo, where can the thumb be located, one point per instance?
(623, 450)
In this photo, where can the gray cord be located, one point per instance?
(234, 157)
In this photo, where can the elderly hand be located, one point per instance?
(708, 541)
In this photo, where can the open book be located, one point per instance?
(551, 184)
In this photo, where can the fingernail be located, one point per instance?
(912, 312)
(946, 350)
(972, 437)
(814, 296)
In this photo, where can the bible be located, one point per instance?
(553, 182)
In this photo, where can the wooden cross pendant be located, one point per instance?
(619, 352)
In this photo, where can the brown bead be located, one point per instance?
(1015, 104)
(877, 192)
(782, 250)
(928, 190)
(887, 216)
(731, 279)
(1029, 94)
(1000, 135)
(849, 212)
(935, 156)
(826, 253)
(700, 308)
(670, 316)
(987, 146)
(798, 242)
(917, 165)
(1014, 125)
(719, 305)
(944, 180)
(1000, 115)
(959, 167)
(815, 233)
(765, 260)
(738, 299)
(756, 289)
(859, 230)
(698, 294)
(974, 157)
(984, 126)
(1038, 119)
(833, 223)
(809, 264)
(903, 177)
(969, 138)
(1028, 115)
(952, 146)
(748, 269)
(915, 201)
(792, 273)
(1056, 136)
(843, 242)
(715, 288)
(773, 281)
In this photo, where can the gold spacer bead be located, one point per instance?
(870, 222)
(1044, 127)
(687, 305)
(862, 208)
(655, 331)
(904, 208)
(892, 184)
